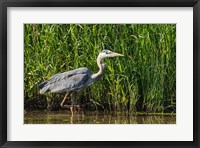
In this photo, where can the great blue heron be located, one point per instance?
(74, 81)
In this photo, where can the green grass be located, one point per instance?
(143, 80)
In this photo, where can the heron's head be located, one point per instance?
(107, 53)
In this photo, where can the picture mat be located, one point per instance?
(181, 131)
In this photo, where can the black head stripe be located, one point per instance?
(106, 51)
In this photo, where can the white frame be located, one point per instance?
(181, 131)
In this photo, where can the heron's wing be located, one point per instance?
(60, 76)
(72, 83)
(68, 81)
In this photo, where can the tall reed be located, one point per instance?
(143, 80)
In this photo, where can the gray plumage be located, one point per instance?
(73, 80)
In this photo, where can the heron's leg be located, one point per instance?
(76, 104)
(49, 102)
(79, 106)
(78, 109)
(83, 110)
(62, 103)
(72, 103)
(71, 109)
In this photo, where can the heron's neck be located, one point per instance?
(99, 74)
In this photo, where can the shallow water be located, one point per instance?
(64, 117)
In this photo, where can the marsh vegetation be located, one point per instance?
(144, 80)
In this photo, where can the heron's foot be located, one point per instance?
(74, 109)
(68, 106)
(77, 109)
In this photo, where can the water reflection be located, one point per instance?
(64, 117)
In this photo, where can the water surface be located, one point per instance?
(64, 117)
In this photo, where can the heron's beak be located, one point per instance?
(114, 54)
